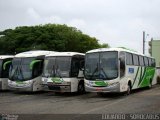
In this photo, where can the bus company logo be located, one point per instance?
(19, 82)
(131, 70)
(101, 83)
(57, 80)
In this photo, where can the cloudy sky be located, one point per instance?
(116, 22)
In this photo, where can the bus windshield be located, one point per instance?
(57, 67)
(1, 62)
(20, 69)
(103, 66)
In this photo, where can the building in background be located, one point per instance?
(154, 50)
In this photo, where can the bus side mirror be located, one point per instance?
(6, 64)
(33, 63)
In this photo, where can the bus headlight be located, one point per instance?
(9, 82)
(88, 84)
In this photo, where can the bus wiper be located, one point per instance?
(21, 73)
(95, 70)
(104, 74)
(17, 73)
(14, 75)
(52, 71)
(59, 75)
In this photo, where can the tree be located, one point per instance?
(52, 37)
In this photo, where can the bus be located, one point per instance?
(118, 70)
(26, 71)
(63, 72)
(5, 62)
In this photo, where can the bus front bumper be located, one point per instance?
(20, 87)
(59, 87)
(111, 88)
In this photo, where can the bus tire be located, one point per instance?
(81, 88)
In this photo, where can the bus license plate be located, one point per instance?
(99, 89)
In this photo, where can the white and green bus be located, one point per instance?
(26, 71)
(118, 70)
(5, 62)
(63, 72)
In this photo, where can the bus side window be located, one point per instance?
(153, 63)
(146, 61)
(122, 63)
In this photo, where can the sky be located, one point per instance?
(120, 23)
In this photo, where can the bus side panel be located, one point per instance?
(138, 77)
(74, 84)
(154, 81)
(123, 84)
(148, 77)
(4, 83)
(37, 84)
(133, 74)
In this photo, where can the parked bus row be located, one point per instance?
(100, 70)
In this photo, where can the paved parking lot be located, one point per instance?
(140, 101)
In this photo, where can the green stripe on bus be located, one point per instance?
(149, 74)
(141, 73)
(135, 77)
(141, 79)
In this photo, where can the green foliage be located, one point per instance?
(104, 45)
(52, 37)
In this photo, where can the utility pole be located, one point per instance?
(143, 42)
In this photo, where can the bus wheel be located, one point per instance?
(81, 88)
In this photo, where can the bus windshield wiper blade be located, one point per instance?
(52, 74)
(21, 73)
(104, 73)
(95, 70)
(58, 72)
(14, 75)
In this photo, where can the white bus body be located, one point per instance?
(118, 70)
(26, 71)
(5, 62)
(63, 72)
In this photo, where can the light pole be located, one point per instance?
(144, 40)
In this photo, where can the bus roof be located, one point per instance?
(64, 54)
(110, 49)
(6, 56)
(115, 49)
(34, 53)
